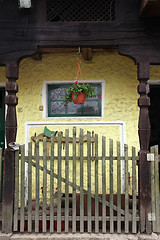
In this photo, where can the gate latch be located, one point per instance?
(150, 157)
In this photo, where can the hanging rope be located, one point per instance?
(79, 71)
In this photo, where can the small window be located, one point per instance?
(86, 10)
(91, 106)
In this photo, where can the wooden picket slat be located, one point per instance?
(156, 166)
(29, 187)
(118, 188)
(153, 190)
(59, 182)
(81, 184)
(134, 190)
(126, 190)
(16, 191)
(103, 185)
(37, 187)
(89, 181)
(67, 180)
(96, 186)
(52, 186)
(22, 188)
(111, 185)
(74, 183)
(44, 190)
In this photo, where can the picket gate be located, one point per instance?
(78, 192)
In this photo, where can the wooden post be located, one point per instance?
(144, 136)
(10, 131)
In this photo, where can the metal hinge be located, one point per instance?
(151, 217)
(150, 157)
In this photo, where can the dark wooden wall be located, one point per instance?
(22, 30)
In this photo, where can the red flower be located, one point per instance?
(76, 81)
(99, 95)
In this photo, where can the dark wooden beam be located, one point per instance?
(144, 136)
(10, 131)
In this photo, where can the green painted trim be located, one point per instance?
(50, 87)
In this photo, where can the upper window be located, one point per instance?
(78, 10)
(91, 106)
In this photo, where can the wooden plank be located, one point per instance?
(0, 174)
(22, 189)
(157, 189)
(16, 191)
(67, 181)
(134, 191)
(37, 187)
(59, 183)
(103, 185)
(96, 186)
(81, 184)
(111, 185)
(126, 190)
(44, 228)
(89, 181)
(153, 191)
(74, 183)
(118, 188)
(29, 187)
(52, 186)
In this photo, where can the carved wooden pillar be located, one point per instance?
(10, 131)
(144, 136)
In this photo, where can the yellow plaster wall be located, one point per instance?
(118, 72)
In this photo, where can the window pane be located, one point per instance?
(57, 93)
(90, 107)
(57, 108)
(74, 108)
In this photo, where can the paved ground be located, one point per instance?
(84, 236)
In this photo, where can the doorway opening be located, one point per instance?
(154, 114)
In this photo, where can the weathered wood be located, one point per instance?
(37, 188)
(118, 189)
(22, 189)
(29, 187)
(144, 136)
(111, 185)
(59, 183)
(16, 191)
(103, 185)
(134, 191)
(44, 227)
(81, 184)
(153, 191)
(156, 167)
(9, 158)
(126, 190)
(74, 183)
(52, 186)
(67, 180)
(89, 181)
(96, 186)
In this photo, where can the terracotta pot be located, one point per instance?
(81, 98)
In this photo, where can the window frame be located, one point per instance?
(45, 99)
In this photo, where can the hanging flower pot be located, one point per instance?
(79, 99)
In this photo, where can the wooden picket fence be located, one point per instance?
(155, 215)
(75, 192)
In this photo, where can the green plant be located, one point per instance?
(77, 88)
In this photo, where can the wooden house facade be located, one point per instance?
(38, 27)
